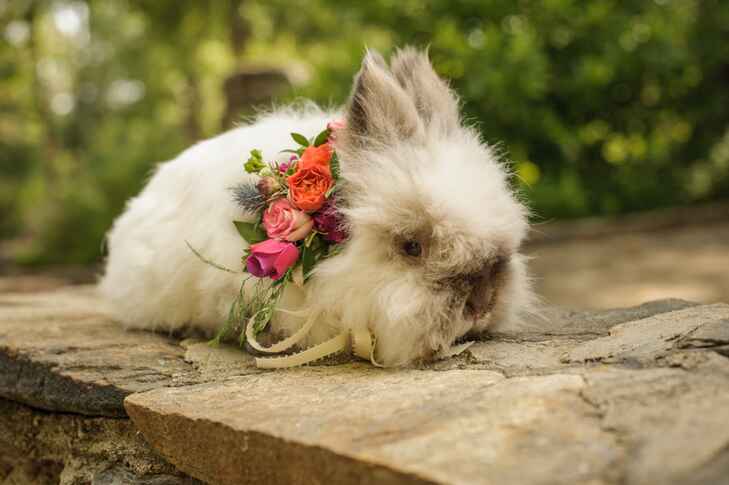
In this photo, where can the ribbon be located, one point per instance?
(361, 342)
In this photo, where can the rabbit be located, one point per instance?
(433, 254)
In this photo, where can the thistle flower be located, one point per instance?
(248, 197)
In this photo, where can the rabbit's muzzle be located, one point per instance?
(482, 288)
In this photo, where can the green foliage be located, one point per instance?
(602, 106)
(251, 232)
(300, 139)
(255, 163)
(334, 166)
(322, 137)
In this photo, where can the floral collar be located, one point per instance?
(296, 225)
(297, 221)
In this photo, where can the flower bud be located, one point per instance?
(267, 186)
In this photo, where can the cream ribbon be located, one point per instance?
(361, 342)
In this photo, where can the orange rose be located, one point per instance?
(316, 156)
(308, 186)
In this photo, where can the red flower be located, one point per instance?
(309, 185)
(318, 156)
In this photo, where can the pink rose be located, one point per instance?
(271, 258)
(334, 127)
(282, 221)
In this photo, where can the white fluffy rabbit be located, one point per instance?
(435, 228)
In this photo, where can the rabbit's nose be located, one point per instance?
(484, 286)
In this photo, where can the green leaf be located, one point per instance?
(308, 258)
(312, 253)
(300, 139)
(250, 232)
(334, 166)
(322, 137)
(334, 249)
(262, 317)
(316, 244)
(255, 162)
(289, 151)
(309, 238)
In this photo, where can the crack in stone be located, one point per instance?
(621, 442)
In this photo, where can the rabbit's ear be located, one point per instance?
(435, 102)
(379, 109)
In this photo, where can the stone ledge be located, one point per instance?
(637, 395)
(60, 352)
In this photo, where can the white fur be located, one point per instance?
(405, 172)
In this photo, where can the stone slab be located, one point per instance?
(711, 334)
(60, 352)
(407, 426)
(651, 337)
(354, 423)
(560, 408)
(672, 423)
(627, 396)
(565, 321)
(573, 337)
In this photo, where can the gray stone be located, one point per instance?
(670, 422)
(712, 334)
(649, 338)
(630, 396)
(519, 357)
(563, 321)
(217, 362)
(569, 337)
(423, 426)
(59, 351)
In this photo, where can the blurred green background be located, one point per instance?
(603, 106)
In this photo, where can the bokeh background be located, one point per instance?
(605, 107)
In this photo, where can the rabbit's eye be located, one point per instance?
(412, 248)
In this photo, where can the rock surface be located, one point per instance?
(59, 352)
(632, 396)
